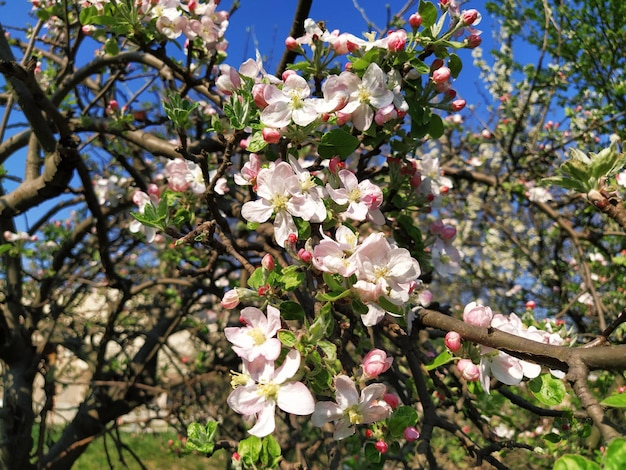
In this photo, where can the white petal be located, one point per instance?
(265, 423)
(295, 398)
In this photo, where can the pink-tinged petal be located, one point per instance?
(375, 413)
(357, 211)
(276, 115)
(362, 117)
(485, 379)
(289, 367)
(265, 423)
(530, 370)
(340, 196)
(283, 227)
(325, 412)
(343, 429)
(295, 398)
(375, 313)
(348, 179)
(273, 94)
(257, 211)
(507, 369)
(246, 400)
(239, 336)
(273, 321)
(346, 393)
(270, 349)
(254, 317)
(372, 392)
(376, 216)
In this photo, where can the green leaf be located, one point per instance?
(287, 338)
(615, 401)
(322, 324)
(332, 296)
(291, 311)
(337, 142)
(257, 279)
(436, 127)
(291, 278)
(111, 47)
(402, 417)
(548, 390)
(329, 349)
(443, 358)
(615, 457)
(256, 143)
(201, 438)
(428, 12)
(455, 65)
(575, 462)
(250, 449)
(552, 437)
(371, 453)
(333, 281)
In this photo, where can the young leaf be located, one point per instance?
(548, 390)
(443, 358)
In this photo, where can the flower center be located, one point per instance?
(354, 195)
(353, 415)
(258, 336)
(364, 95)
(268, 390)
(279, 202)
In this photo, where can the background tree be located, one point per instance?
(86, 140)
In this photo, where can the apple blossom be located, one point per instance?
(415, 20)
(375, 363)
(270, 388)
(396, 40)
(468, 370)
(453, 341)
(336, 256)
(363, 199)
(291, 103)
(350, 409)
(142, 199)
(365, 94)
(381, 446)
(477, 315)
(256, 338)
(441, 75)
(230, 299)
(411, 434)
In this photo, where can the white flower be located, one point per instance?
(269, 388)
(290, 103)
(350, 409)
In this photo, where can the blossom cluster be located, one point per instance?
(261, 386)
(504, 367)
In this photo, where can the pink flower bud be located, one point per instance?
(153, 190)
(458, 105)
(230, 299)
(113, 104)
(271, 136)
(268, 262)
(258, 91)
(468, 370)
(305, 255)
(263, 290)
(468, 17)
(473, 41)
(291, 44)
(453, 341)
(335, 165)
(436, 227)
(287, 73)
(477, 315)
(415, 20)
(375, 363)
(392, 400)
(411, 434)
(396, 41)
(448, 232)
(441, 75)
(425, 298)
(531, 304)
(485, 134)
(381, 446)
(369, 433)
(292, 238)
